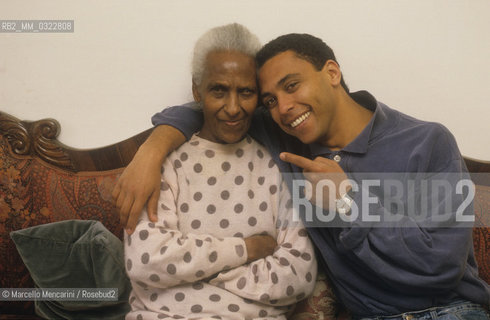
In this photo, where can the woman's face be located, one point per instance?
(228, 94)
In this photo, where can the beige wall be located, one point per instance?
(128, 59)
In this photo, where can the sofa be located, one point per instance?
(44, 181)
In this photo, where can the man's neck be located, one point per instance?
(350, 120)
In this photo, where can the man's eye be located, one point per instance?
(247, 92)
(270, 102)
(291, 86)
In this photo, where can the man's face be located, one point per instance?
(299, 97)
(228, 93)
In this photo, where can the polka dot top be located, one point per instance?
(191, 264)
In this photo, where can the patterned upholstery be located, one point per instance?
(32, 193)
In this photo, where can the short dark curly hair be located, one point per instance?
(306, 46)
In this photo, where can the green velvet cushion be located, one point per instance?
(75, 254)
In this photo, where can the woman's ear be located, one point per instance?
(195, 92)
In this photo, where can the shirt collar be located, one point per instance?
(374, 127)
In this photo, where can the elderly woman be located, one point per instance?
(225, 245)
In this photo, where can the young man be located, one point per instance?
(406, 267)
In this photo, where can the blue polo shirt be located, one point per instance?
(401, 266)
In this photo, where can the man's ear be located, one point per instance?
(195, 92)
(332, 70)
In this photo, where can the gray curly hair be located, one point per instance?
(230, 37)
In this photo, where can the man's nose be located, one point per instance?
(284, 104)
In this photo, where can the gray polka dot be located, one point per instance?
(287, 245)
(196, 308)
(238, 208)
(163, 249)
(197, 168)
(225, 195)
(184, 156)
(197, 286)
(164, 186)
(289, 204)
(129, 264)
(239, 152)
(212, 181)
(233, 307)
(165, 308)
(199, 242)
(184, 207)
(187, 257)
(263, 313)
(309, 277)
(271, 163)
(293, 270)
(238, 235)
(273, 301)
(132, 299)
(240, 251)
(224, 223)
(214, 298)
(251, 194)
(194, 143)
(260, 154)
(265, 297)
(256, 279)
(197, 196)
(145, 258)
(171, 269)
(251, 166)
(211, 209)
(261, 180)
(153, 297)
(285, 224)
(154, 277)
(263, 206)
(142, 284)
(273, 189)
(255, 269)
(177, 163)
(200, 273)
(290, 291)
(252, 221)
(238, 180)
(209, 153)
(164, 207)
(144, 234)
(306, 256)
(295, 252)
(283, 261)
(274, 278)
(139, 317)
(225, 166)
(162, 316)
(241, 283)
(151, 225)
(195, 224)
(213, 256)
(179, 296)
(129, 240)
(268, 265)
(216, 317)
(302, 233)
(300, 296)
(249, 140)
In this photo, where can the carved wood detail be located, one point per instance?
(36, 138)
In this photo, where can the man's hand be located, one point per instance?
(139, 183)
(321, 173)
(259, 246)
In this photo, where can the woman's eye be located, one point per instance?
(270, 102)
